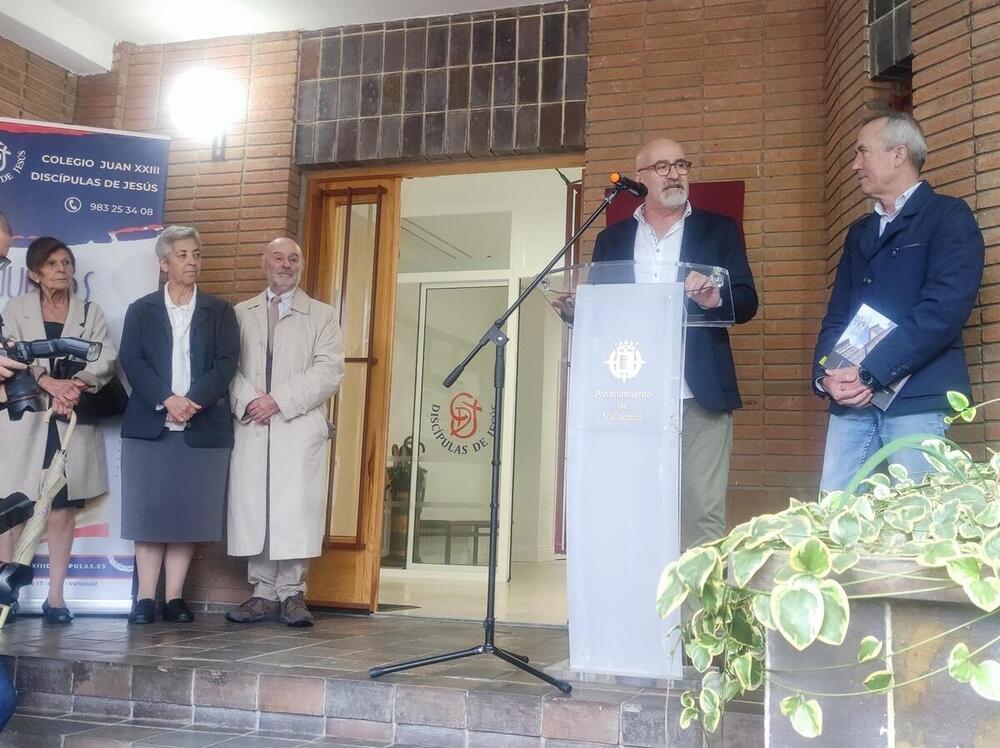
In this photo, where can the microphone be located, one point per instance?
(629, 185)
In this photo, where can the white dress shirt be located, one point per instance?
(886, 218)
(655, 255)
(180, 362)
(285, 303)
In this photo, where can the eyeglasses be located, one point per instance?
(663, 167)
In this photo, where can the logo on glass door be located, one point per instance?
(625, 360)
(464, 411)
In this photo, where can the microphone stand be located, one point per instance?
(498, 338)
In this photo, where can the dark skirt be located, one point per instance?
(172, 492)
(62, 500)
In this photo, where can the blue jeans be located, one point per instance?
(855, 436)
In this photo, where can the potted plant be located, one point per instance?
(874, 609)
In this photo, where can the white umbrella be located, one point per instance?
(52, 482)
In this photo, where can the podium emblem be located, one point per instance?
(625, 360)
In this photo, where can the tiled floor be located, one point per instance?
(100, 682)
(536, 593)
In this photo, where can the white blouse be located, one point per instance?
(180, 363)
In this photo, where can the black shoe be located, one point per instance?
(143, 611)
(59, 616)
(177, 611)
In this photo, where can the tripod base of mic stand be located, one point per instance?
(519, 661)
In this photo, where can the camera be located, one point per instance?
(22, 389)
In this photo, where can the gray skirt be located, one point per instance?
(171, 492)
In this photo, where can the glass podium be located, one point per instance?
(623, 452)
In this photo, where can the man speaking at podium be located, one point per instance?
(665, 229)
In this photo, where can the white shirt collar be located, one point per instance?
(171, 306)
(900, 202)
(285, 298)
(640, 216)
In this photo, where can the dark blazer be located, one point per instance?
(145, 357)
(923, 273)
(709, 239)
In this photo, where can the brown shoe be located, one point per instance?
(255, 610)
(294, 611)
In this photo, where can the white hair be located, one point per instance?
(901, 129)
(172, 234)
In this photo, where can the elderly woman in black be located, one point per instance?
(180, 348)
(51, 310)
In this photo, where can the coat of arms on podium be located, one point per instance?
(625, 360)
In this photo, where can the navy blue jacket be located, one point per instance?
(923, 273)
(709, 239)
(145, 357)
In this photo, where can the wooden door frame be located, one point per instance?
(317, 281)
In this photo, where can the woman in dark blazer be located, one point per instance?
(180, 349)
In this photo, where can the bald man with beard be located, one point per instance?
(291, 364)
(666, 229)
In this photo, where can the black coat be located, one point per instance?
(145, 357)
(709, 239)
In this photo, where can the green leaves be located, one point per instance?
(880, 680)
(991, 549)
(786, 572)
(696, 566)
(939, 553)
(810, 557)
(845, 529)
(964, 570)
(745, 563)
(749, 672)
(984, 593)
(870, 649)
(957, 400)
(836, 613)
(984, 677)
(960, 403)
(805, 715)
(670, 592)
(960, 667)
(797, 610)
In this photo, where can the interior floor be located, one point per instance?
(536, 594)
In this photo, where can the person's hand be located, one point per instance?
(9, 366)
(700, 290)
(180, 409)
(564, 304)
(845, 388)
(261, 409)
(63, 391)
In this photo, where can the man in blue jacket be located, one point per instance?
(666, 229)
(918, 260)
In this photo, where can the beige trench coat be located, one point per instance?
(23, 449)
(306, 372)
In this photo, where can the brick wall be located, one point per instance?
(956, 81)
(741, 85)
(31, 87)
(237, 204)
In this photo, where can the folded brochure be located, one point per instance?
(866, 330)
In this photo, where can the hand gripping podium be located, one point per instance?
(623, 451)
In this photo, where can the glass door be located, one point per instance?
(454, 428)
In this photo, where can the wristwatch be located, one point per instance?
(867, 379)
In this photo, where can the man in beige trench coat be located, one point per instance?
(291, 364)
